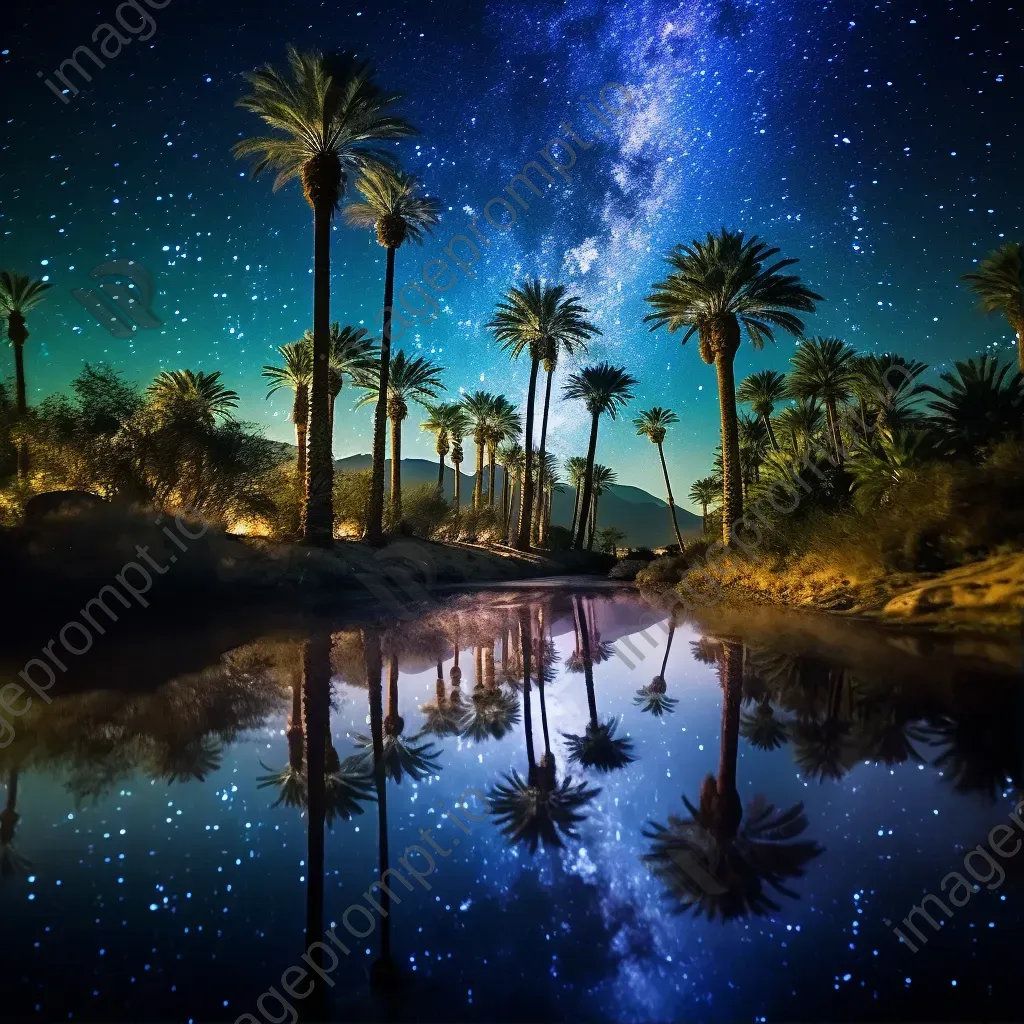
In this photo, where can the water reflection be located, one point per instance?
(585, 779)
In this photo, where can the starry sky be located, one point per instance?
(877, 142)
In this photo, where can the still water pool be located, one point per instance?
(587, 809)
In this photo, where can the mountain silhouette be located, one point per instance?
(642, 517)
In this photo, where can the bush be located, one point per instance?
(641, 555)
(560, 539)
(424, 511)
(351, 496)
(662, 572)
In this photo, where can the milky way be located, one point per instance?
(877, 142)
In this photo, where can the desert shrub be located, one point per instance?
(351, 496)
(662, 571)
(476, 525)
(641, 555)
(560, 539)
(424, 511)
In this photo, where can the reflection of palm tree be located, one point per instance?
(445, 712)
(822, 744)
(762, 729)
(537, 809)
(193, 759)
(384, 971)
(717, 861)
(598, 747)
(651, 698)
(982, 752)
(11, 862)
(492, 711)
(401, 756)
(291, 780)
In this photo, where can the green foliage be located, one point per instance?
(424, 511)
(154, 449)
(609, 539)
(351, 497)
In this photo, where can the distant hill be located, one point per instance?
(642, 517)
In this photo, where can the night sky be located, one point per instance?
(877, 142)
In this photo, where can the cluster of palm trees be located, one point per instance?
(333, 125)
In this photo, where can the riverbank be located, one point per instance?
(985, 596)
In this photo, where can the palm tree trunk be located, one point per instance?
(771, 432)
(668, 647)
(583, 630)
(458, 486)
(396, 473)
(526, 509)
(732, 481)
(539, 500)
(490, 476)
(671, 500)
(478, 483)
(21, 405)
(317, 673)
(575, 510)
(833, 428)
(318, 519)
(588, 485)
(375, 508)
(300, 417)
(546, 533)
(332, 403)
(440, 473)
(593, 524)
(504, 503)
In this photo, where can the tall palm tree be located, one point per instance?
(511, 457)
(459, 430)
(604, 389)
(653, 424)
(193, 396)
(409, 380)
(19, 294)
(763, 391)
(393, 207)
(982, 402)
(598, 747)
(332, 116)
(999, 285)
(479, 408)
(351, 350)
(503, 424)
(715, 287)
(824, 370)
(296, 373)
(538, 319)
(576, 469)
(444, 420)
(556, 342)
(885, 386)
(603, 478)
(706, 491)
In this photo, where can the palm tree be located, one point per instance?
(503, 424)
(352, 350)
(884, 385)
(762, 392)
(652, 698)
(604, 389)
(392, 207)
(576, 469)
(603, 479)
(291, 780)
(718, 860)
(538, 319)
(653, 424)
(983, 402)
(19, 294)
(332, 114)
(192, 396)
(511, 457)
(409, 380)
(445, 713)
(296, 373)
(444, 420)
(706, 491)
(999, 285)
(805, 420)
(825, 370)
(479, 407)
(598, 747)
(457, 458)
(715, 287)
